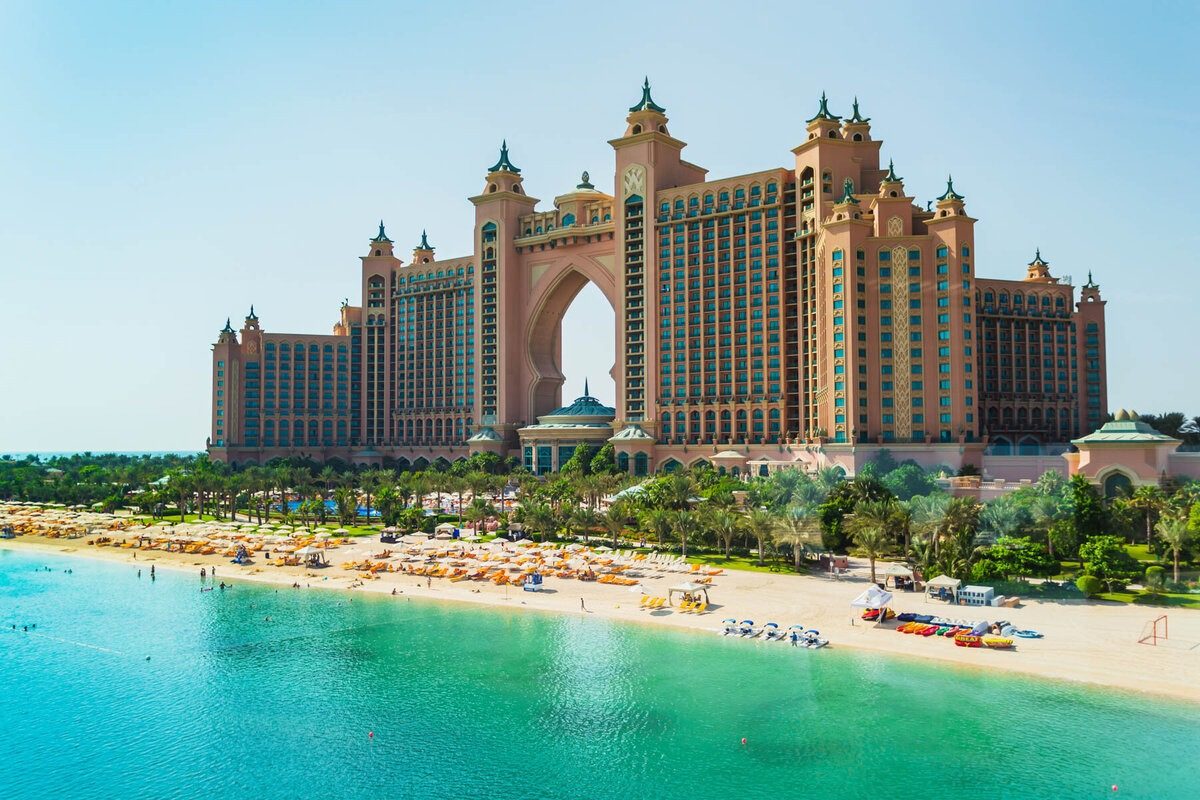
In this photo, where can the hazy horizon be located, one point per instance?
(164, 168)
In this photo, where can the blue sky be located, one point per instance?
(163, 166)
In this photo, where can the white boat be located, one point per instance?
(771, 632)
(731, 627)
(812, 640)
(748, 630)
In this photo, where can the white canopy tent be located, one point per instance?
(873, 597)
(686, 589)
(942, 586)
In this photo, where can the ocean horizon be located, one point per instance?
(45, 455)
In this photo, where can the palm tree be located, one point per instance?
(1175, 534)
(656, 521)
(539, 518)
(726, 526)
(616, 519)
(799, 524)
(761, 524)
(479, 510)
(1150, 500)
(347, 505)
(871, 528)
(682, 523)
(999, 518)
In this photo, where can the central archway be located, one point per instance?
(554, 289)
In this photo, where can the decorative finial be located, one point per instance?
(504, 165)
(847, 192)
(228, 328)
(950, 194)
(823, 111)
(857, 117)
(891, 176)
(584, 181)
(252, 314)
(424, 245)
(647, 103)
(382, 235)
(586, 393)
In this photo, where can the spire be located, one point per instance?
(891, 176)
(504, 164)
(950, 194)
(585, 182)
(823, 111)
(252, 315)
(848, 192)
(857, 117)
(1037, 259)
(228, 328)
(382, 235)
(424, 245)
(586, 393)
(647, 103)
(1091, 284)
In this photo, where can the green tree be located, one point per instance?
(617, 519)
(1107, 559)
(1175, 533)
(761, 524)
(871, 528)
(1089, 585)
(908, 481)
(1087, 509)
(346, 503)
(605, 460)
(725, 526)
(799, 525)
(657, 522)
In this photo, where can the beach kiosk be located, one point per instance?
(943, 587)
(976, 595)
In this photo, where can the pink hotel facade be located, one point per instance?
(805, 315)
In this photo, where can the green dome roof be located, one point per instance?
(586, 406)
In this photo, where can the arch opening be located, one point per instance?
(572, 339)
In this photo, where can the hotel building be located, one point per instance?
(808, 314)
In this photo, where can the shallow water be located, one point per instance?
(470, 702)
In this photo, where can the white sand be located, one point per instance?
(1084, 641)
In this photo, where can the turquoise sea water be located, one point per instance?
(468, 702)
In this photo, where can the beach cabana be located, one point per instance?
(897, 572)
(943, 587)
(686, 589)
(313, 556)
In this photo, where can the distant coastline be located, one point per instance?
(44, 455)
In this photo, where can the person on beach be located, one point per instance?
(202, 573)
(582, 607)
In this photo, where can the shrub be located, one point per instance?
(1156, 578)
(1089, 585)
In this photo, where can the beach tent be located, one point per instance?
(873, 597)
(942, 586)
(686, 589)
(313, 556)
(896, 570)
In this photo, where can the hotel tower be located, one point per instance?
(804, 315)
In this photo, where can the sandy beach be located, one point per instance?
(1095, 643)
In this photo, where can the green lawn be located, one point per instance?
(747, 563)
(1163, 600)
